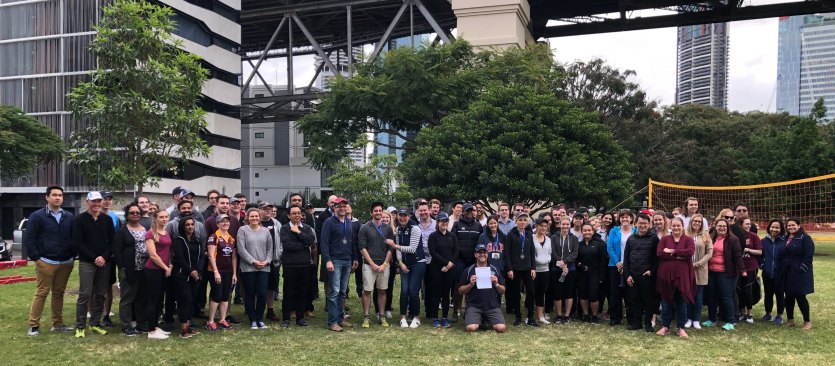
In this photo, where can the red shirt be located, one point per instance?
(163, 247)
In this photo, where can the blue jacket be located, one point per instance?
(331, 243)
(45, 237)
(771, 252)
(613, 245)
(796, 266)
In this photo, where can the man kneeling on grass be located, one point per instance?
(482, 303)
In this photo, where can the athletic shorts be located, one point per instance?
(220, 291)
(475, 315)
(371, 278)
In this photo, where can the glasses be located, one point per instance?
(212, 197)
(134, 213)
(742, 210)
(728, 217)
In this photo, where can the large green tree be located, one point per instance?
(378, 180)
(141, 108)
(518, 143)
(25, 143)
(408, 89)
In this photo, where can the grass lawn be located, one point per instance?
(575, 343)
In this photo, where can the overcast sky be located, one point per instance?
(652, 54)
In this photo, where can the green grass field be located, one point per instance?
(575, 343)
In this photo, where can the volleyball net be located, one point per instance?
(812, 200)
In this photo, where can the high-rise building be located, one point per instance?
(323, 82)
(806, 63)
(702, 65)
(43, 56)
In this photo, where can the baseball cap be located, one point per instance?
(340, 200)
(391, 209)
(265, 204)
(176, 190)
(582, 210)
(403, 211)
(221, 217)
(308, 206)
(540, 220)
(442, 217)
(468, 206)
(185, 192)
(234, 200)
(480, 247)
(106, 194)
(94, 195)
(521, 215)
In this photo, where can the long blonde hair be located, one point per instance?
(155, 226)
(702, 233)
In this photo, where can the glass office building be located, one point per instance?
(806, 63)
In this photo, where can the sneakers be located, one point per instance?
(62, 328)
(807, 325)
(688, 324)
(649, 328)
(517, 322)
(130, 330)
(253, 325)
(708, 323)
(445, 323)
(157, 334)
(335, 327)
(778, 320)
(594, 319)
(404, 323)
(302, 323)
(34, 332)
(345, 324)
(285, 324)
(388, 314)
(162, 331)
(749, 319)
(212, 327)
(790, 323)
(98, 330)
(663, 331)
(766, 317)
(415, 323)
(436, 323)
(107, 322)
(728, 326)
(366, 323)
(696, 325)
(533, 323)
(682, 334)
(544, 321)
(384, 323)
(224, 325)
(262, 325)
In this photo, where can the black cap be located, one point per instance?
(468, 206)
(541, 220)
(481, 247)
(308, 206)
(403, 211)
(442, 217)
(107, 194)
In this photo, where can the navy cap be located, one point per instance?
(481, 247)
(442, 217)
(107, 194)
(468, 206)
(185, 192)
(176, 190)
(403, 211)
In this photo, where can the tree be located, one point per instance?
(25, 143)
(376, 181)
(141, 108)
(516, 143)
(408, 89)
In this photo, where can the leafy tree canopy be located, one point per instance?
(25, 143)
(376, 181)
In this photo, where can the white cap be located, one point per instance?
(391, 208)
(94, 195)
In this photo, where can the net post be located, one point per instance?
(649, 199)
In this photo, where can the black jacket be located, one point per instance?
(443, 248)
(640, 255)
(296, 246)
(467, 233)
(186, 256)
(124, 252)
(513, 251)
(591, 258)
(45, 237)
(93, 238)
(564, 250)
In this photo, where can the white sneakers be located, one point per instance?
(404, 323)
(697, 325)
(544, 321)
(388, 314)
(157, 334)
(688, 324)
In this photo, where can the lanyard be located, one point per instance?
(379, 229)
(344, 227)
(496, 245)
(522, 236)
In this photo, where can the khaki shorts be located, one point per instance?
(370, 278)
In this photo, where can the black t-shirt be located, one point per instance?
(484, 299)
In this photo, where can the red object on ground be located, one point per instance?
(7, 280)
(13, 264)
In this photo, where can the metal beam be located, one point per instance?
(300, 8)
(315, 44)
(350, 46)
(263, 55)
(431, 20)
(290, 57)
(261, 77)
(387, 33)
(684, 19)
(284, 98)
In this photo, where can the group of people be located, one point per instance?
(179, 261)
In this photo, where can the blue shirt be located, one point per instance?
(56, 214)
(505, 228)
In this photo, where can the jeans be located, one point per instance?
(92, 285)
(255, 294)
(338, 280)
(721, 290)
(410, 289)
(694, 311)
(680, 308)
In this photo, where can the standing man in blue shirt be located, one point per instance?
(48, 242)
(337, 248)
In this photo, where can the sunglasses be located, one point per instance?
(742, 210)
(728, 217)
(134, 213)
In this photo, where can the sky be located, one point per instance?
(650, 53)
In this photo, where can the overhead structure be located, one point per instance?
(288, 28)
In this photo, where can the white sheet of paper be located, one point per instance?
(482, 275)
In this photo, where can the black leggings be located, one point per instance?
(541, 283)
(521, 277)
(296, 291)
(187, 289)
(802, 303)
(588, 286)
(154, 286)
(772, 291)
(440, 284)
(745, 289)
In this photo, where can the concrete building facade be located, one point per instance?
(702, 65)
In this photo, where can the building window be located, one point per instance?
(259, 135)
(257, 193)
(257, 175)
(259, 154)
